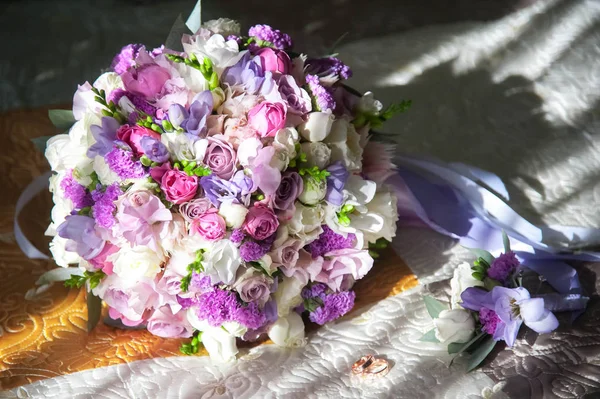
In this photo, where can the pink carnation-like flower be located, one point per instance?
(343, 267)
(178, 186)
(210, 225)
(267, 118)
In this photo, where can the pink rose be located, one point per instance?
(343, 267)
(220, 157)
(261, 222)
(178, 186)
(100, 262)
(267, 118)
(164, 323)
(210, 225)
(147, 80)
(133, 135)
(274, 60)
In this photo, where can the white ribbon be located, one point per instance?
(34, 188)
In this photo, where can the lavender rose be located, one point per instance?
(220, 157)
(193, 209)
(253, 286)
(290, 188)
(296, 98)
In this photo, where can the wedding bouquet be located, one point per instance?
(221, 191)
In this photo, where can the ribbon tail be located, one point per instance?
(34, 188)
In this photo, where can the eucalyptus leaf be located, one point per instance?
(429, 336)
(434, 307)
(40, 142)
(481, 253)
(481, 353)
(58, 274)
(61, 118)
(506, 242)
(94, 308)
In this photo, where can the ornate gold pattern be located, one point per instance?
(47, 337)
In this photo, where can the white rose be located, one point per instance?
(314, 190)
(288, 295)
(368, 104)
(248, 150)
(344, 142)
(317, 154)
(306, 222)
(180, 260)
(288, 331)
(104, 172)
(383, 208)
(221, 262)
(223, 53)
(108, 82)
(462, 280)
(219, 343)
(183, 148)
(234, 214)
(64, 153)
(317, 127)
(285, 140)
(61, 256)
(223, 26)
(454, 325)
(135, 263)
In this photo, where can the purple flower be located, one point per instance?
(195, 122)
(334, 306)
(104, 206)
(290, 188)
(252, 251)
(329, 67)
(220, 157)
(81, 233)
(338, 175)
(75, 192)
(200, 283)
(250, 316)
(154, 149)
(248, 74)
(489, 320)
(218, 306)
(147, 80)
(245, 184)
(315, 290)
(513, 307)
(218, 190)
(330, 241)
(296, 98)
(322, 96)
(138, 102)
(121, 162)
(503, 266)
(253, 286)
(126, 58)
(237, 236)
(104, 135)
(279, 39)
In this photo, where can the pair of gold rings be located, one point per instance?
(369, 367)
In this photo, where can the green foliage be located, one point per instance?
(194, 267)
(193, 346)
(300, 157)
(429, 336)
(315, 173)
(376, 120)
(77, 281)
(111, 109)
(63, 119)
(343, 215)
(434, 307)
(192, 168)
(312, 304)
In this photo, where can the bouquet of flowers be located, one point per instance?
(221, 191)
(489, 304)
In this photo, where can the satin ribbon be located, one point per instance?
(34, 188)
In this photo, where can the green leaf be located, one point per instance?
(429, 336)
(434, 307)
(63, 119)
(454, 347)
(506, 242)
(466, 346)
(490, 283)
(58, 274)
(75, 281)
(481, 353)
(94, 308)
(40, 142)
(481, 253)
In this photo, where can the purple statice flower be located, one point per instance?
(338, 175)
(138, 102)
(81, 234)
(330, 241)
(154, 149)
(315, 290)
(105, 136)
(104, 206)
(237, 236)
(513, 307)
(489, 320)
(217, 306)
(121, 162)
(126, 58)
(194, 120)
(251, 251)
(279, 39)
(503, 266)
(75, 192)
(218, 190)
(248, 74)
(323, 98)
(250, 316)
(334, 306)
(329, 67)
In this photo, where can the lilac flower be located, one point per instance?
(270, 312)
(315, 290)
(75, 192)
(503, 266)
(154, 149)
(296, 98)
(81, 233)
(330, 241)
(121, 162)
(279, 39)
(246, 186)
(489, 320)
(252, 251)
(329, 67)
(513, 307)
(195, 122)
(104, 206)
(126, 58)
(338, 175)
(104, 135)
(237, 236)
(335, 305)
(248, 74)
(200, 283)
(323, 97)
(218, 306)
(218, 190)
(250, 316)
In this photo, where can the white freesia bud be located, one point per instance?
(368, 104)
(135, 263)
(223, 26)
(462, 280)
(454, 325)
(183, 148)
(317, 127)
(234, 214)
(288, 331)
(317, 154)
(314, 190)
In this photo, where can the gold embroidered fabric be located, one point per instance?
(46, 337)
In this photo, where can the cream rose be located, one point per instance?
(454, 325)
(135, 263)
(317, 127)
(288, 331)
(234, 214)
(306, 222)
(317, 154)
